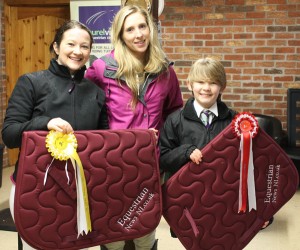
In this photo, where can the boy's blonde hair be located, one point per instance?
(208, 69)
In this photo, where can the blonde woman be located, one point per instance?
(141, 86)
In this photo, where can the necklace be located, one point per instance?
(140, 77)
(141, 80)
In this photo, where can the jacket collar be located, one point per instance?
(64, 72)
(189, 111)
(112, 66)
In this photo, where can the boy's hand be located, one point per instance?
(196, 156)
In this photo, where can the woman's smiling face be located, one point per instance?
(74, 49)
(136, 34)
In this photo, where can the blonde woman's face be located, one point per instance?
(205, 92)
(136, 34)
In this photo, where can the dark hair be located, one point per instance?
(71, 24)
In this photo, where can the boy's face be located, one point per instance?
(205, 93)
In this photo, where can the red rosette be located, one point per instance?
(245, 126)
(244, 122)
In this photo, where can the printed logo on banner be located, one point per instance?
(98, 19)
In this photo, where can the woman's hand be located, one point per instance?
(196, 156)
(60, 125)
(155, 133)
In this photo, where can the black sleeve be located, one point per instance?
(173, 155)
(19, 113)
(104, 118)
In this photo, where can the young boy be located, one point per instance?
(204, 116)
(186, 132)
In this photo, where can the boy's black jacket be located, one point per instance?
(183, 132)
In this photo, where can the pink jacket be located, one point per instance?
(160, 97)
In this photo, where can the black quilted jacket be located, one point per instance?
(40, 96)
(183, 132)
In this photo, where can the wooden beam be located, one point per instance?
(43, 3)
(58, 11)
(154, 10)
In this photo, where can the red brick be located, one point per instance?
(241, 78)
(285, 50)
(294, 14)
(285, 21)
(294, 43)
(260, 50)
(275, 43)
(214, 43)
(184, 23)
(194, 30)
(284, 36)
(223, 23)
(234, 2)
(252, 71)
(276, 2)
(184, 36)
(235, 15)
(203, 36)
(255, 15)
(223, 36)
(265, 8)
(194, 43)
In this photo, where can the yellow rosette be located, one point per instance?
(63, 147)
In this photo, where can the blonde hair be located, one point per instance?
(129, 65)
(208, 69)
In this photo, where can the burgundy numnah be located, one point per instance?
(200, 202)
(122, 175)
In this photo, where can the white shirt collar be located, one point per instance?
(199, 108)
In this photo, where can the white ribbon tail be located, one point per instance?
(81, 215)
(67, 174)
(251, 181)
(47, 170)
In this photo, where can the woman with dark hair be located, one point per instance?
(58, 98)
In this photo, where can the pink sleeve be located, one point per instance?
(174, 99)
(95, 72)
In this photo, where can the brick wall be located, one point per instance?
(258, 42)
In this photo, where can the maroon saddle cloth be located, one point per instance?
(201, 202)
(122, 178)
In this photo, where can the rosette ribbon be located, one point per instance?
(63, 147)
(245, 126)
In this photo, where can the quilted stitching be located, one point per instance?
(200, 202)
(122, 177)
